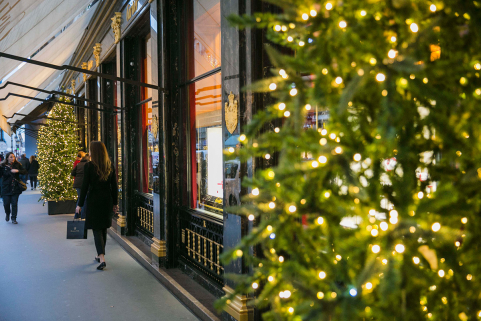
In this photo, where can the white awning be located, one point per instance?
(47, 31)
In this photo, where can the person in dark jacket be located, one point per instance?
(100, 181)
(78, 174)
(33, 171)
(10, 171)
(26, 165)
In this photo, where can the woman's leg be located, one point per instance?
(14, 202)
(104, 234)
(6, 206)
(35, 179)
(31, 182)
(99, 243)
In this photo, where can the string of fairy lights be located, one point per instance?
(378, 224)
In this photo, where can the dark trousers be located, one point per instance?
(100, 237)
(24, 178)
(33, 179)
(13, 200)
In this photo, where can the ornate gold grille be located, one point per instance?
(146, 219)
(203, 250)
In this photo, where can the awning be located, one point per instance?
(47, 31)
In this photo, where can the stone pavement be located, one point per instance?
(44, 276)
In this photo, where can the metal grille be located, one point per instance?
(145, 214)
(202, 244)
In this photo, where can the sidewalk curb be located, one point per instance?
(175, 288)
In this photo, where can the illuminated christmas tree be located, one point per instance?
(372, 215)
(57, 148)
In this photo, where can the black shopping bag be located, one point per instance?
(76, 230)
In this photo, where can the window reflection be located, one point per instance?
(207, 36)
(206, 148)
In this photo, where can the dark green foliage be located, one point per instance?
(425, 114)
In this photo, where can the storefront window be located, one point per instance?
(206, 147)
(207, 36)
(147, 137)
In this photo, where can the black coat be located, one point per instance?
(102, 196)
(33, 169)
(8, 183)
(78, 173)
(25, 163)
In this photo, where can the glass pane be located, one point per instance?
(207, 39)
(206, 148)
(146, 125)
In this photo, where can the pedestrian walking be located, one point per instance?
(33, 172)
(100, 181)
(78, 174)
(26, 165)
(80, 155)
(10, 171)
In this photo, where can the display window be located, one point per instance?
(205, 107)
(146, 135)
(207, 36)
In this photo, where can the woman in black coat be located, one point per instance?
(10, 170)
(33, 172)
(100, 181)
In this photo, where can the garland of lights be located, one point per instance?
(57, 149)
(373, 216)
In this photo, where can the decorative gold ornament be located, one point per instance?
(73, 86)
(97, 51)
(116, 23)
(84, 66)
(231, 113)
(90, 64)
(155, 126)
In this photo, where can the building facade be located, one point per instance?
(167, 140)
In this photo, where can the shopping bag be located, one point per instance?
(76, 230)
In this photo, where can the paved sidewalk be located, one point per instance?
(44, 276)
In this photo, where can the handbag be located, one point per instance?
(19, 185)
(76, 230)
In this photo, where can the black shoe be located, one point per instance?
(14, 221)
(32, 188)
(7, 217)
(97, 259)
(101, 266)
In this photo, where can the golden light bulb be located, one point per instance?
(313, 13)
(432, 8)
(322, 275)
(342, 24)
(436, 227)
(384, 226)
(322, 159)
(392, 54)
(282, 106)
(272, 86)
(320, 220)
(414, 27)
(368, 285)
(441, 273)
(293, 92)
(380, 77)
(338, 80)
(328, 6)
(255, 191)
(399, 248)
(305, 16)
(363, 13)
(374, 232)
(376, 248)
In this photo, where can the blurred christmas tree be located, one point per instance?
(57, 149)
(372, 215)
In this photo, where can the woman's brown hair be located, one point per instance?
(101, 160)
(32, 158)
